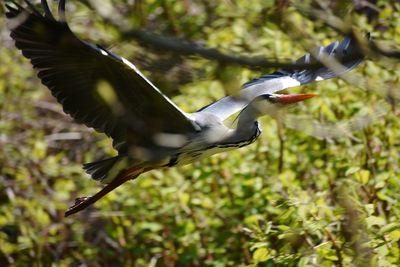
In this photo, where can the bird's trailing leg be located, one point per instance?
(126, 175)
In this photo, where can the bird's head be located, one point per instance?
(270, 104)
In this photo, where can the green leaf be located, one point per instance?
(363, 176)
(261, 254)
(352, 170)
(375, 221)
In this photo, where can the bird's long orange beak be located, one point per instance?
(292, 98)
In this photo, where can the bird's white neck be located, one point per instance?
(249, 115)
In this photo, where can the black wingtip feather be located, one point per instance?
(346, 52)
(32, 8)
(47, 10)
(11, 11)
(61, 11)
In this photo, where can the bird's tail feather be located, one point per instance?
(99, 170)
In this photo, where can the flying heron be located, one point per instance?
(104, 91)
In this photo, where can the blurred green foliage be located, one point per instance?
(290, 199)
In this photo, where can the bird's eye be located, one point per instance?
(267, 96)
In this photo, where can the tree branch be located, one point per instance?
(183, 47)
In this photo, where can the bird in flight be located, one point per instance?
(105, 91)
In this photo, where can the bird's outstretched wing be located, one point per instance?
(330, 61)
(95, 86)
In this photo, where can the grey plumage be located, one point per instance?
(102, 90)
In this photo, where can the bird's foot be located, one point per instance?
(80, 203)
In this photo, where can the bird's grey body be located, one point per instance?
(214, 137)
(108, 93)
